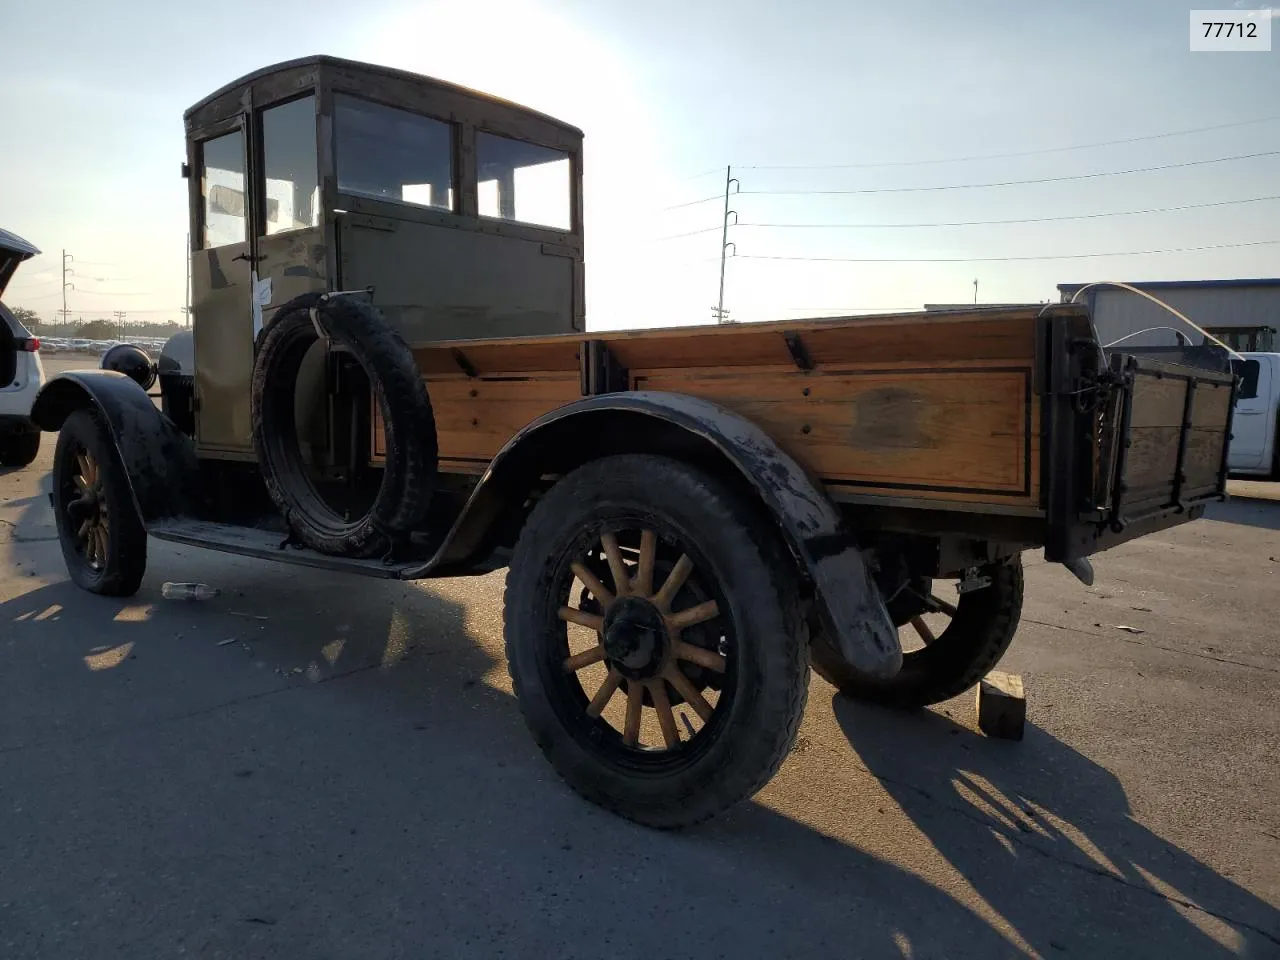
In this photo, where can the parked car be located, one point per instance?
(21, 374)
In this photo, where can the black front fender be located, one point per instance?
(852, 605)
(159, 459)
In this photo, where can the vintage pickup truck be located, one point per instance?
(390, 374)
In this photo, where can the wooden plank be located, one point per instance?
(896, 342)
(1204, 457)
(1152, 459)
(475, 418)
(1001, 705)
(1157, 402)
(551, 357)
(1213, 402)
(963, 431)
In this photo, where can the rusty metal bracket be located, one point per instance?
(799, 353)
(463, 363)
(600, 370)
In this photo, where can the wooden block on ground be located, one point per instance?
(1002, 706)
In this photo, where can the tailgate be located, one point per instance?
(1174, 425)
(1130, 445)
(1163, 433)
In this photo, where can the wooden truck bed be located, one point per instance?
(922, 405)
(939, 411)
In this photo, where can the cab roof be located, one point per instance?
(373, 71)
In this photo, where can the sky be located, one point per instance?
(798, 97)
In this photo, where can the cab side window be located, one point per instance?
(291, 175)
(222, 187)
(1247, 371)
(523, 182)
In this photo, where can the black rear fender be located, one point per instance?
(714, 439)
(159, 459)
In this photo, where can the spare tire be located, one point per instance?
(408, 477)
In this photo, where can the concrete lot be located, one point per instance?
(351, 778)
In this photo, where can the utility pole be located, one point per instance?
(975, 290)
(119, 315)
(65, 257)
(729, 181)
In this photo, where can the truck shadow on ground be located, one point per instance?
(330, 766)
(384, 794)
(1263, 514)
(1049, 840)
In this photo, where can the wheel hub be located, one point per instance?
(635, 637)
(88, 506)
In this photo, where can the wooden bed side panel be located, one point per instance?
(960, 434)
(474, 418)
(921, 341)
(936, 406)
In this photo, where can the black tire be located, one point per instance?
(762, 641)
(19, 449)
(977, 637)
(117, 572)
(408, 477)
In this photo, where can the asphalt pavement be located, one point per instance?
(315, 766)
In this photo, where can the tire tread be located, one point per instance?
(749, 762)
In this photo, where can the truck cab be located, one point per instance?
(1255, 431)
(458, 212)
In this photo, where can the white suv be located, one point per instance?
(21, 374)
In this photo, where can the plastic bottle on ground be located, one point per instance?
(188, 591)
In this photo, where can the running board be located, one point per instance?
(265, 545)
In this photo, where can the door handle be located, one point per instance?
(249, 257)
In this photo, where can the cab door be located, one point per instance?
(1254, 421)
(290, 247)
(222, 292)
(261, 244)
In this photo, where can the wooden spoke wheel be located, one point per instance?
(950, 640)
(103, 541)
(88, 511)
(655, 640)
(930, 607)
(642, 650)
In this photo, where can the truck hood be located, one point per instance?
(13, 250)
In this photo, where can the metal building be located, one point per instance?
(1244, 314)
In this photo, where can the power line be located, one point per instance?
(1054, 256)
(694, 203)
(97, 292)
(694, 233)
(980, 223)
(1004, 156)
(698, 176)
(1010, 183)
